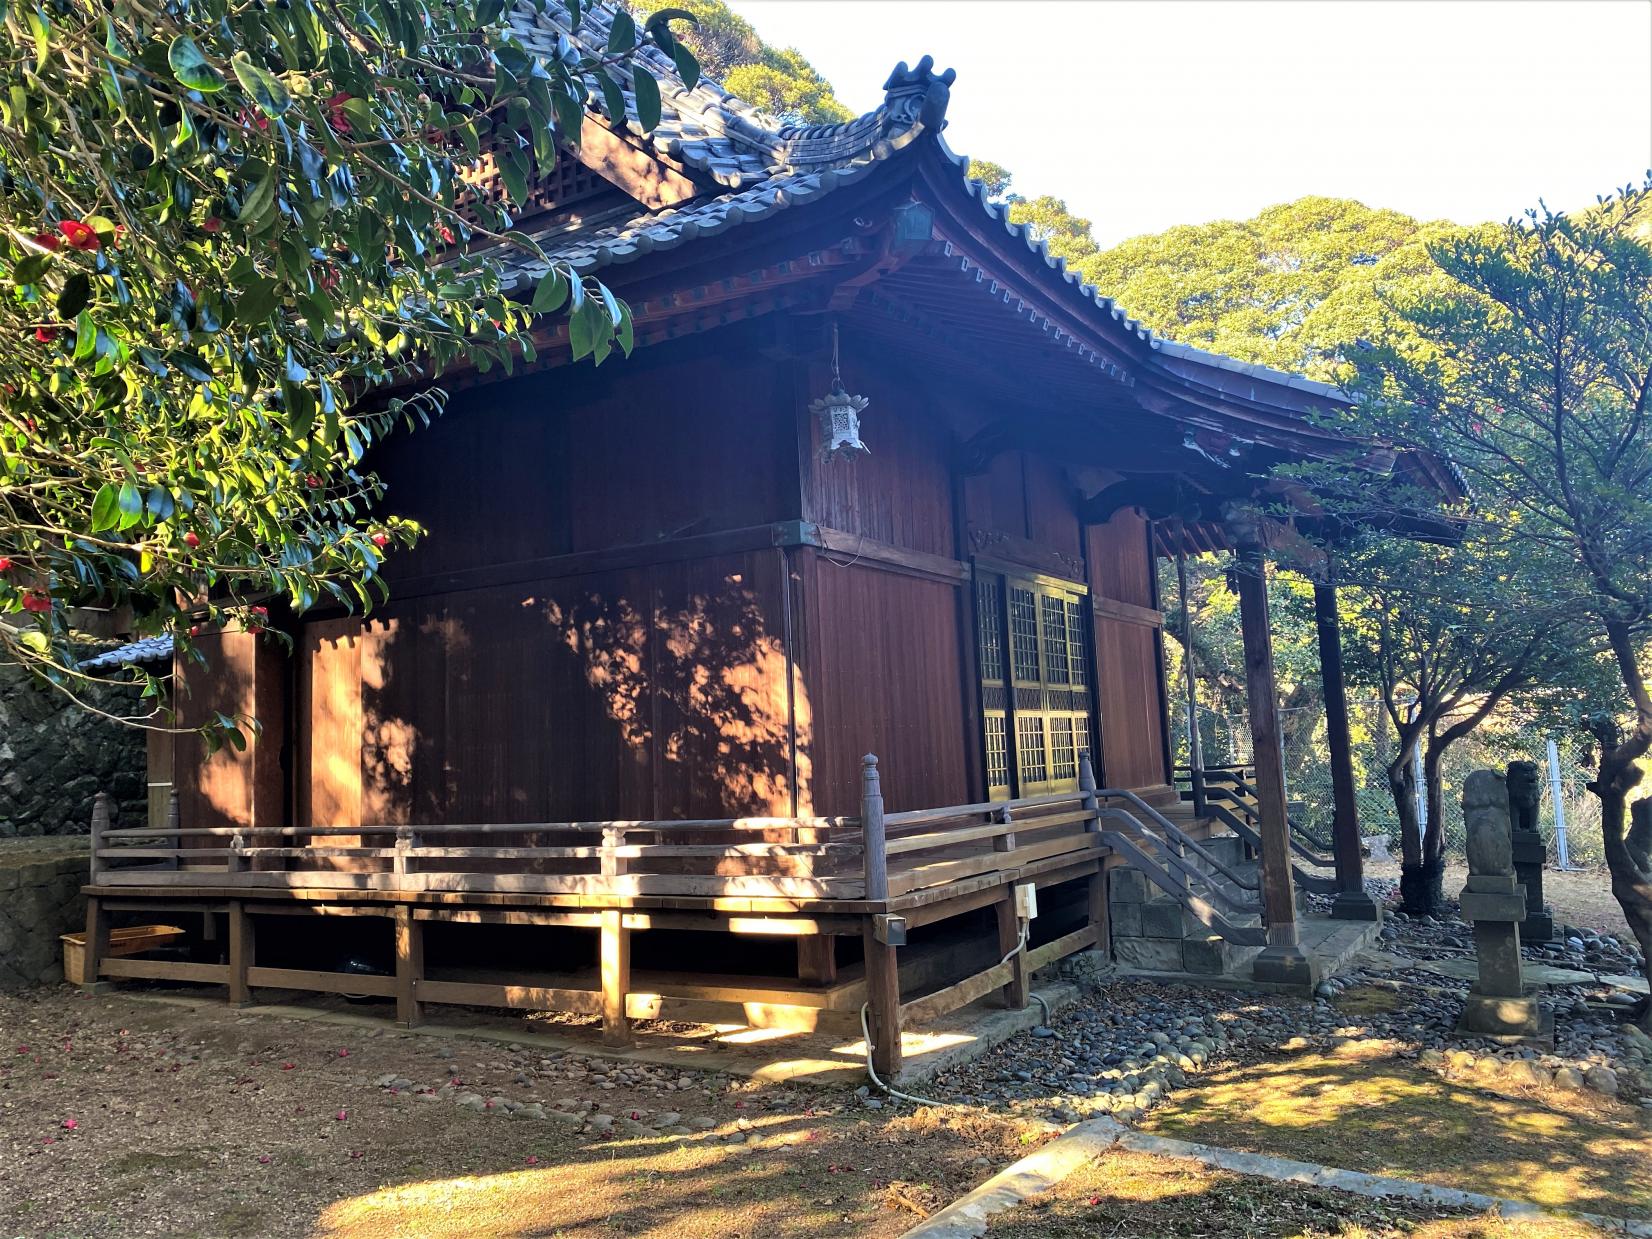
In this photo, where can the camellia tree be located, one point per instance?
(1532, 371)
(226, 226)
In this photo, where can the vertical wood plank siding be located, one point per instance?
(1130, 680)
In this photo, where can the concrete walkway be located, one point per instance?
(968, 1216)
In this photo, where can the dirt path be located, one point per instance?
(1583, 899)
(124, 1118)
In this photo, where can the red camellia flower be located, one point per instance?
(212, 224)
(45, 334)
(37, 602)
(192, 539)
(69, 1124)
(312, 481)
(5, 563)
(79, 236)
(335, 112)
(263, 613)
(381, 540)
(46, 241)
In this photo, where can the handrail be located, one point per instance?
(1239, 935)
(1297, 830)
(1174, 832)
(1315, 882)
(1178, 864)
(1241, 827)
(1322, 844)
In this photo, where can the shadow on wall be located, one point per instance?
(652, 693)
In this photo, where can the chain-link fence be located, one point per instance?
(1225, 740)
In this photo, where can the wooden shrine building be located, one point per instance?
(618, 707)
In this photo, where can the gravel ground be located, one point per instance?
(121, 1117)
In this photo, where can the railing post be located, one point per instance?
(872, 832)
(173, 824)
(1097, 887)
(883, 983)
(398, 862)
(100, 823)
(236, 861)
(97, 920)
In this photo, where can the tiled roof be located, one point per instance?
(148, 650)
(768, 166)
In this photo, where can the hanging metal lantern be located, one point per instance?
(839, 413)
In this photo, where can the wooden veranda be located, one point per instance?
(875, 877)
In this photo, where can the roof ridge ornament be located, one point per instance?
(917, 95)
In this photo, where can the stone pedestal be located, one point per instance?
(1529, 855)
(1355, 906)
(1498, 1005)
(1528, 851)
(1284, 962)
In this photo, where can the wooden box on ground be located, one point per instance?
(133, 941)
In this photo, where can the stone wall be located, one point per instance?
(55, 756)
(40, 881)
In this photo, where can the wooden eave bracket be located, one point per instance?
(650, 178)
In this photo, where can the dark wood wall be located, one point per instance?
(598, 625)
(653, 692)
(1129, 660)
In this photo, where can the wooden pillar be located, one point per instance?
(241, 949)
(1282, 959)
(409, 967)
(1014, 993)
(1195, 745)
(883, 998)
(615, 954)
(817, 959)
(1351, 902)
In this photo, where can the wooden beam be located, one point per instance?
(1060, 948)
(643, 175)
(1278, 902)
(165, 970)
(409, 967)
(816, 960)
(1352, 901)
(241, 949)
(615, 964)
(932, 1006)
(1015, 990)
(322, 982)
(883, 998)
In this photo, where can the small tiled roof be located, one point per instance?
(148, 650)
(766, 166)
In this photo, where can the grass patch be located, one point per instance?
(1554, 1149)
(1367, 1000)
(1126, 1195)
(142, 1163)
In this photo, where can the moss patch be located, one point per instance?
(1136, 1196)
(1357, 1112)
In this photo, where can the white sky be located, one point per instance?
(1145, 114)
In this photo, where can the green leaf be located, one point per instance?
(264, 87)
(613, 98)
(513, 171)
(648, 98)
(190, 67)
(30, 268)
(661, 18)
(130, 503)
(41, 28)
(77, 291)
(622, 34)
(258, 299)
(105, 508)
(551, 293)
(687, 66)
(570, 115)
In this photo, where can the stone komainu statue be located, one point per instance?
(1486, 821)
(1525, 793)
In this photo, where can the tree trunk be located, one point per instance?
(1402, 785)
(1631, 881)
(1433, 841)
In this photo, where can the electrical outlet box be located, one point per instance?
(1026, 901)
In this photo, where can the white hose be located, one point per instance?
(866, 1032)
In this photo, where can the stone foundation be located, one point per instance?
(1152, 931)
(40, 881)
